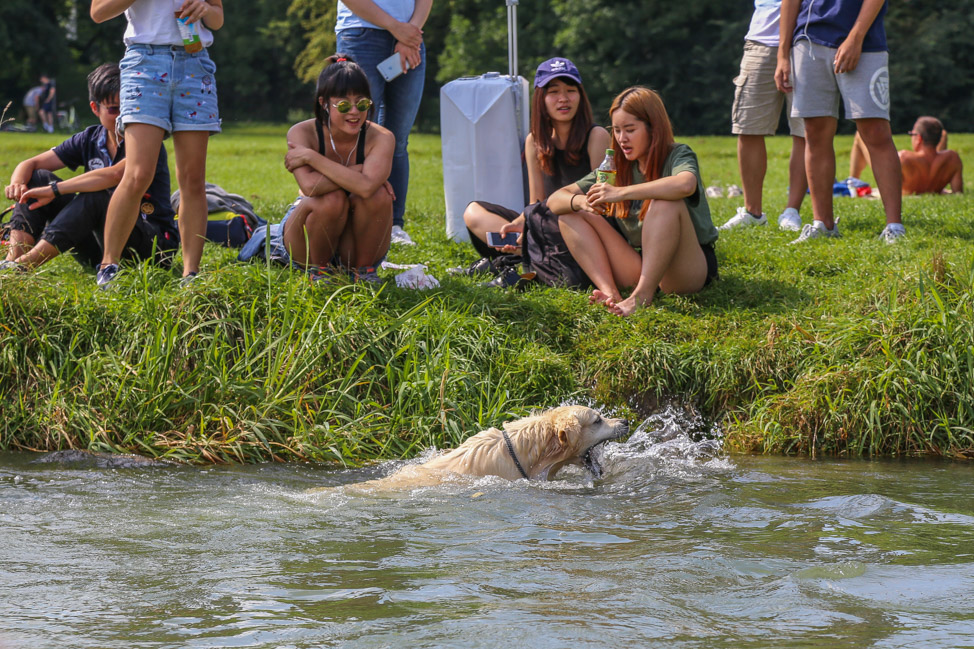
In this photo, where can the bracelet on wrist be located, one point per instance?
(54, 188)
(571, 202)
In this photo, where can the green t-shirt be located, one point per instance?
(681, 158)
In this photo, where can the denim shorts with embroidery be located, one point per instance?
(165, 86)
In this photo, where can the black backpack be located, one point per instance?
(545, 251)
(235, 231)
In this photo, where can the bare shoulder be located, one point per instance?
(377, 135)
(598, 141)
(303, 133)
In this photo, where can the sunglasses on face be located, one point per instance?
(111, 110)
(344, 105)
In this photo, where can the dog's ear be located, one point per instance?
(568, 428)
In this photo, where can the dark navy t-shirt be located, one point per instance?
(89, 149)
(828, 22)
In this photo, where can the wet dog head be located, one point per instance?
(576, 435)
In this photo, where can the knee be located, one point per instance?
(139, 178)
(471, 215)
(377, 204)
(328, 207)
(41, 177)
(662, 213)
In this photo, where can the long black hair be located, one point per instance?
(341, 77)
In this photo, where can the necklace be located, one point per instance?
(335, 148)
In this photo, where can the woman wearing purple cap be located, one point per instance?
(563, 146)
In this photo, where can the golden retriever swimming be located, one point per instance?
(534, 448)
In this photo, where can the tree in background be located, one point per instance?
(270, 53)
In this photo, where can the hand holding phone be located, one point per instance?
(498, 240)
(392, 67)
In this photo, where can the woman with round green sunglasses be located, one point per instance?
(341, 161)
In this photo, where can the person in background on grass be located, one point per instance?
(164, 90)
(32, 105)
(341, 161)
(928, 167)
(657, 232)
(564, 145)
(757, 109)
(47, 104)
(831, 50)
(371, 31)
(53, 215)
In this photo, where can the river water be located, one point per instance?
(678, 546)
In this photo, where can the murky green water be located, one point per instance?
(675, 548)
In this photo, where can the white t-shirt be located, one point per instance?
(153, 22)
(401, 10)
(764, 22)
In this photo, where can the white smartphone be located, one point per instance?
(391, 67)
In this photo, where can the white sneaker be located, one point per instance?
(892, 232)
(401, 236)
(815, 230)
(714, 191)
(790, 219)
(742, 219)
(733, 191)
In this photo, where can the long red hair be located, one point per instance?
(646, 106)
(542, 128)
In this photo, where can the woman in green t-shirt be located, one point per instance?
(657, 206)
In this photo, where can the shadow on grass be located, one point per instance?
(733, 292)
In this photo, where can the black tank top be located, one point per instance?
(564, 173)
(359, 149)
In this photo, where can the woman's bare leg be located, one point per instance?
(313, 230)
(671, 257)
(603, 253)
(366, 238)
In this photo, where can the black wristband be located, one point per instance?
(571, 202)
(53, 186)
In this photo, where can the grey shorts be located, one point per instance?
(757, 102)
(864, 91)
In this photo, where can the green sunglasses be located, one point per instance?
(344, 105)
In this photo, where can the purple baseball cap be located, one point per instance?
(554, 68)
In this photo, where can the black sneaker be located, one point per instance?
(482, 266)
(511, 278)
(106, 274)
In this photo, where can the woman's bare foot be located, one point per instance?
(627, 307)
(601, 297)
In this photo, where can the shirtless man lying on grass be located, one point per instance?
(928, 168)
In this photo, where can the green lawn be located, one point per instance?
(837, 347)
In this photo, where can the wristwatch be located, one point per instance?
(53, 185)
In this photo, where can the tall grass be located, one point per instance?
(838, 347)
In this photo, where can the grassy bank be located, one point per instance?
(838, 347)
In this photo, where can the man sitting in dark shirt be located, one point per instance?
(53, 215)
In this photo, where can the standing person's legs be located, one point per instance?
(368, 48)
(865, 92)
(142, 142)
(755, 114)
(190, 148)
(820, 166)
(402, 97)
(816, 100)
(878, 138)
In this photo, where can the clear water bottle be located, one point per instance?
(606, 172)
